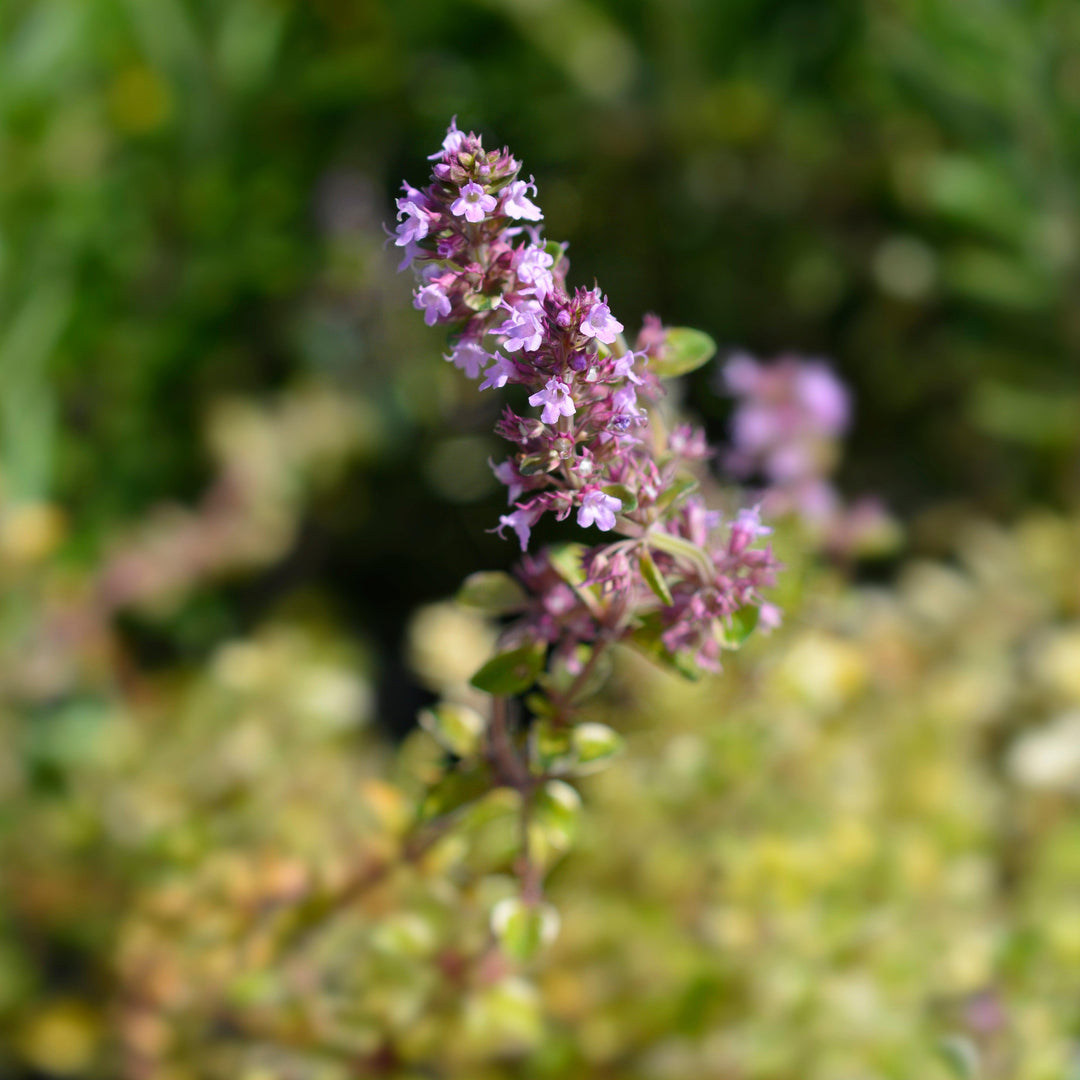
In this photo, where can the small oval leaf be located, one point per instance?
(594, 746)
(566, 559)
(511, 672)
(456, 728)
(493, 592)
(556, 810)
(654, 579)
(684, 350)
(523, 929)
(624, 495)
(682, 548)
(741, 625)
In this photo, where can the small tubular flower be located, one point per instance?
(599, 323)
(556, 400)
(598, 508)
(473, 203)
(517, 205)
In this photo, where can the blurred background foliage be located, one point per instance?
(219, 414)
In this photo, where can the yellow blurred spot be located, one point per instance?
(852, 842)
(825, 671)
(733, 928)
(448, 644)
(1057, 662)
(60, 1039)
(920, 864)
(139, 100)
(31, 532)
(1064, 934)
(388, 803)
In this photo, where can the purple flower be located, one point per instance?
(470, 356)
(601, 324)
(451, 143)
(598, 509)
(556, 399)
(742, 374)
(473, 203)
(524, 329)
(517, 205)
(532, 265)
(625, 403)
(432, 300)
(506, 473)
(497, 375)
(623, 368)
(521, 521)
(415, 224)
(769, 617)
(411, 252)
(745, 529)
(824, 397)
(756, 426)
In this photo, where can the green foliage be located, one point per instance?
(511, 672)
(685, 350)
(492, 592)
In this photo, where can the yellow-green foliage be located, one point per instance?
(857, 846)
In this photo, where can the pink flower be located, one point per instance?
(824, 397)
(532, 265)
(742, 374)
(506, 473)
(499, 373)
(556, 399)
(473, 203)
(432, 300)
(515, 203)
(524, 329)
(470, 357)
(415, 224)
(598, 509)
(452, 143)
(521, 521)
(601, 324)
(623, 368)
(746, 528)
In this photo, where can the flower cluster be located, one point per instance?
(485, 270)
(786, 430)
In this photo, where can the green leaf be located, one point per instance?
(594, 746)
(540, 705)
(681, 485)
(556, 810)
(624, 495)
(456, 789)
(683, 549)
(566, 559)
(961, 1056)
(685, 350)
(742, 625)
(550, 748)
(456, 728)
(523, 929)
(537, 464)
(492, 592)
(481, 302)
(654, 579)
(555, 250)
(511, 672)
